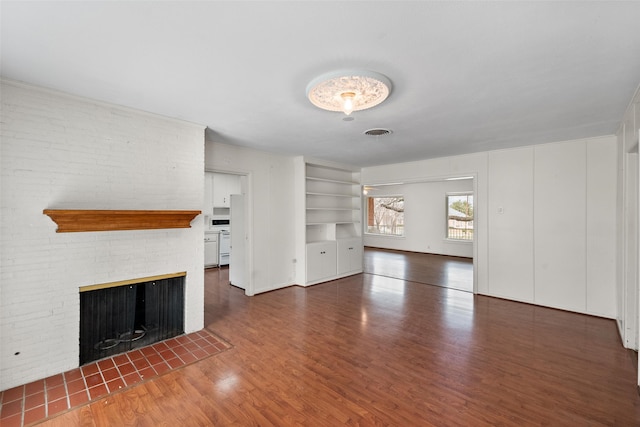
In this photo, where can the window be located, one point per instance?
(460, 216)
(385, 215)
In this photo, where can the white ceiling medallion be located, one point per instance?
(348, 90)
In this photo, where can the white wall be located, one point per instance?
(425, 217)
(60, 151)
(270, 206)
(545, 220)
(628, 226)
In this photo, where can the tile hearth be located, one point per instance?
(26, 404)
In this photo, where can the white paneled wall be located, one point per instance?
(628, 295)
(559, 212)
(545, 220)
(60, 151)
(601, 226)
(510, 209)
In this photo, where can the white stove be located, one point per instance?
(223, 226)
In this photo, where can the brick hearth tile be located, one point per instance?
(212, 340)
(10, 409)
(221, 346)
(147, 373)
(79, 398)
(98, 391)
(73, 375)
(161, 368)
(183, 339)
(110, 374)
(132, 378)
(91, 369)
(201, 334)
(56, 393)
(141, 364)
(106, 364)
(167, 354)
(188, 358)
(54, 381)
(161, 346)
(148, 351)
(191, 346)
(180, 350)
(34, 387)
(115, 385)
(76, 386)
(154, 359)
(210, 349)
(199, 353)
(201, 342)
(126, 369)
(135, 355)
(175, 363)
(94, 380)
(12, 394)
(57, 406)
(13, 421)
(34, 401)
(34, 414)
(120, 359)
(171, 342)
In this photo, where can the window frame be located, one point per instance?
(366, 215)
(446, 216)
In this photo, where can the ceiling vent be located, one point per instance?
(377, 132)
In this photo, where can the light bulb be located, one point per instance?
(347, 98)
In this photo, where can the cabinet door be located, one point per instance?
(210, 252)
(321, 261)
(224, 185)
(349, 256)
(329, 262)
(233, 184)
(220, 191)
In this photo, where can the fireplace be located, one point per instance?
(121, 316)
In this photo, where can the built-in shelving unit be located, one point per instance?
(332, 231)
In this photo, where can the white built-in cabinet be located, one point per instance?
(210, 249)
(321, 261)
(332, 221)
(349, 256)
(223, 186)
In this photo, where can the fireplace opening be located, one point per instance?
(116, 318)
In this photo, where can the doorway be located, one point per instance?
(434, 229)
(228, 200)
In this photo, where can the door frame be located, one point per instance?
(248, 222)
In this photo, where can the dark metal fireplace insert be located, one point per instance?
(120, 317)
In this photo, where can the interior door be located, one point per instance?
(236, 253)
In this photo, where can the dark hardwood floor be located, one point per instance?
(373, 350)
(440, 270)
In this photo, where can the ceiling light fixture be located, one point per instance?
(348, 90)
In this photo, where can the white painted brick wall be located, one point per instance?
(61, 151)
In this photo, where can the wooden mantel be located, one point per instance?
(73, 220)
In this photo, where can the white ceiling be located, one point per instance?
(467, 76)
